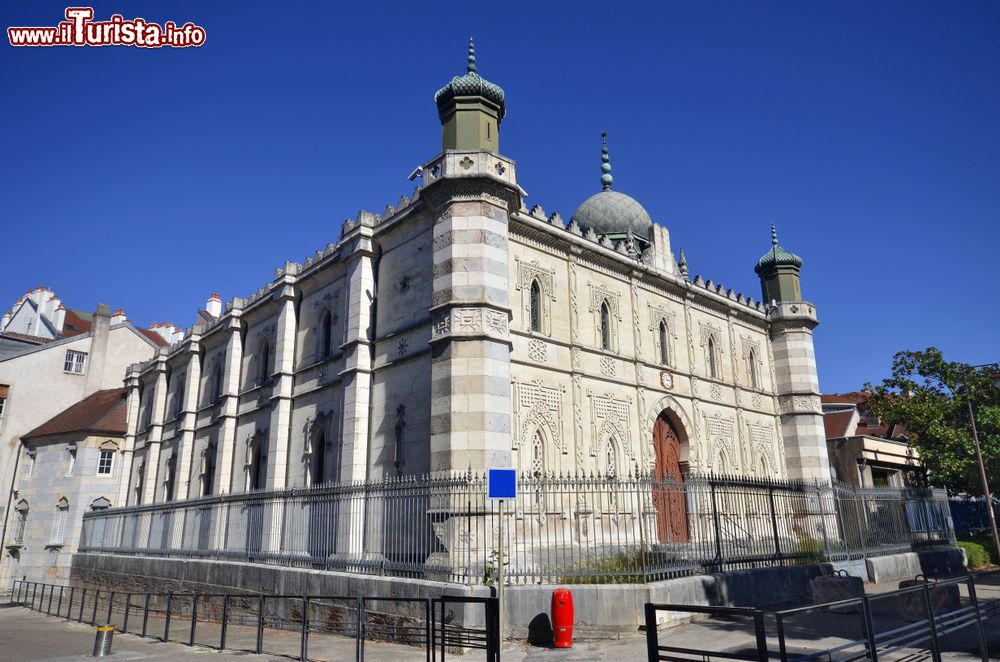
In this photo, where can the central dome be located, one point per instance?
(613, 213)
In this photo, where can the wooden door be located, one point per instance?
(671, 511)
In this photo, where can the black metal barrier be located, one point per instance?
(657, 651)
(345, 615)
(924, 630)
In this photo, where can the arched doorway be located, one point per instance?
(669, 501)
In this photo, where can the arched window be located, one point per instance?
(754, 377)
(22, 521)
(208, 469)
(664, 352)
(611, 458)
(317, 460)
(179, 396)
(605, 326)
(140, 476)
(713, 366)
(216, 384)
(59, 522)
(263, 370)
(537, 455)
(323, 335)
(256, 463)
(168, 478)
(536, 306)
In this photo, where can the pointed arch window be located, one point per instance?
(169, 479)
(263, 354)
(537, 455)
(216, 390)
(324, 335)
(208, 469)
(59, 523)
(752, 369)
(317, 460)
(535, 306)
(664, 351)
(611, 458)
(605, 326)
(22, 521)
(713, 363)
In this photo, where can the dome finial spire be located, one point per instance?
(471, 67)
(774, 235)
(606, 179)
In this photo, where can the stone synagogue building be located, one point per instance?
(463, 327)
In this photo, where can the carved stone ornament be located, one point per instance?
(538, 406)
(471, 322)
(538, 350)
(445, 191)
(609, 417)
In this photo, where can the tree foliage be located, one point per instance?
(928, 396)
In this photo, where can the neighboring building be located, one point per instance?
(69, 465)
(462, 329)
(44, 378)
(865, 450)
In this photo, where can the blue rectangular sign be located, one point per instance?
(501, 484)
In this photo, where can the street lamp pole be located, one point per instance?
(982, 477)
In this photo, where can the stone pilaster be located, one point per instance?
(125, 496)
(152, 479)
(186, 488)
(229, 407)
(471, 199)
(798, 391)
(281, 393)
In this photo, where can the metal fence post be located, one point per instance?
(48, 607)
(194, 618)
(931, 624)
(979, 619)
(97, 601)
(260, 623)
(166, 626)
(59, 604)
(359, 647)
(145, 615)
(83, 601)
(718, 529)
(69, 608)
(758, 626)
(304, 641)
(866, 617)
(225, 622)
(652, 636)
(128, 607)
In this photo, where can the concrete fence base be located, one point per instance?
(599, 610)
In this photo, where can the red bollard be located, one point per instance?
(562, 618)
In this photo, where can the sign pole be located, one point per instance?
(500, 571)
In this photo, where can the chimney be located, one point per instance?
(118, 317)
(99, 330)
(214, 305)
(6, 321)
(59, 318)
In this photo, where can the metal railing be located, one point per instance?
(910, 620)
(559, 529)
(240, 621)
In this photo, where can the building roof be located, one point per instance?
(37, 340)
(777, 256)
(77, 322)
(104, 411)
(838, 424)
(471, 85)
(153, 336)
(853, 398)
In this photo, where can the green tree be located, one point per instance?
(927, 395)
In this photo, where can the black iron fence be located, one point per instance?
(559, 529)
(262, 623)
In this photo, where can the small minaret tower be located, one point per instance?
(792, 322)
(470, 196)
(471, 109)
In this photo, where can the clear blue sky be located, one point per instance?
(868, 131)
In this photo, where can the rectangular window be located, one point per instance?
(29, 463)
(76, 362)
(3, 397)
(104, 464)
(72, 462)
